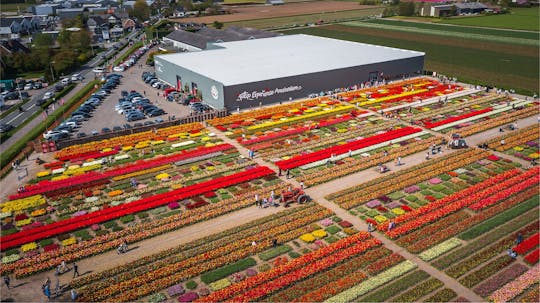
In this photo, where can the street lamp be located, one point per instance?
(52, 72)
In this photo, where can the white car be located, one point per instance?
(98, 70)
(28, 86)
(76, 77)
(48, 95)
(118, 68)
(51, 133)
(65, 81)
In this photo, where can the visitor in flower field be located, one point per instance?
(75, 270)
(7, 280)
(257, 200)
(47, 291)
(370, 227)
(73, 295)
(398, 161)
(519, 238)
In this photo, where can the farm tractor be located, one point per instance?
(296, 195)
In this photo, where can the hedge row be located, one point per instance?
(10, 153)
(130, 51)
(226, 270)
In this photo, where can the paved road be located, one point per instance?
(17, 118)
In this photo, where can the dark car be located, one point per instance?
(117, 128)
(38, 85)
(4, 128)
(11, 96)
(81, 135)
(157, 112)
(105, 130)
(127, 126)
(58, 87)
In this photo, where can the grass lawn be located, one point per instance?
(519, 18)
(461, 30)
(497, 64)
(268, 23)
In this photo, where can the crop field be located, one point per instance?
(490, 63)
(519, 19)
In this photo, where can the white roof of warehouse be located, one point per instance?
(255, 60)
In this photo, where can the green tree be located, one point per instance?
(217, 25)
(140, 10)
(42, 40)
(406, 8)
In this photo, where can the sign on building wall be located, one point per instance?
(265, 93)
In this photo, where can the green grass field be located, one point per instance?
(13, 7)
(496, 64)
(461, 30)
(519, 18)
(280, 22)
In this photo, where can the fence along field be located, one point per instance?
(489, 63)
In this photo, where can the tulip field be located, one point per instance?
(440, 227)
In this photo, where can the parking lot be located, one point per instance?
(105, 114)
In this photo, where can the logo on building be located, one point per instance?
(214, 91)
(255, 95)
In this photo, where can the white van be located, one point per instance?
(65, 81)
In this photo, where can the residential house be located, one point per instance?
(10, 26)
(128, 24)
(96, 26)
(12, 46)
(69, 13)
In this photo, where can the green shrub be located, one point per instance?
(191, 284)
(332, 229)
(445, 177)
(331, 239)
(117, 228)
(423, 186)
(294, 254)
(227, 270)
(169, 213)
(101, 232)
(127, 219)
(142, 215)
(421, 202)
(110, 224)
(10, 231)
(264, 267)
(274, 252)
(438, 195)
(396, 195)
(336, 219)
(81, 233)
(426, 192)
(361, 209)
(46, 242)
(12, 251)
(372, 213)
(447, 191)
(411, 198)
(438, 187)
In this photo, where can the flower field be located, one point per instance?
(459, 211)
(399, 93)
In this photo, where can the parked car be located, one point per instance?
(28, 86)
(58, 87)
(51, 133)
(65, 81)
(4, 127)
(48, 95)
(77, 77)
(99, 70)
(37, 85)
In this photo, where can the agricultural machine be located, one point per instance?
(296, 195)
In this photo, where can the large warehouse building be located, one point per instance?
(249, 73)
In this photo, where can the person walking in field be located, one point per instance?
(75, 270)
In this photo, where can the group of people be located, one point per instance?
(122, 248)
(266, 202)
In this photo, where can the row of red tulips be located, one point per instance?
(532, 258)
(457, 118)
(516, 184)
(304, 261)
(344, 148)
(528, 244)
(451, 198)
(110, 213)
(505, 193)
(48, 186)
